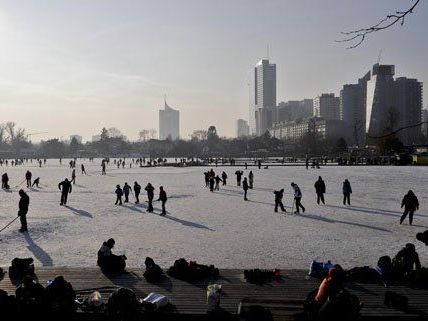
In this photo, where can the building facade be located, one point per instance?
(293, 109)
(242, 128)
(327, 106)
(261, 115)
(169, 123)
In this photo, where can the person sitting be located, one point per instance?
(331, 285)
(109, 262)
(153, 271)
(423, 237)
(29, 296)
(406, 259)
(60, 299)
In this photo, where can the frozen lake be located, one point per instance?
(214, 228)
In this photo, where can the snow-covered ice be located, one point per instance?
(215, 228)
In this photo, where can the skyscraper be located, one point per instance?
(169, 123)
(264, 96)
(327, 106)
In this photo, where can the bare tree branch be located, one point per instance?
(398, 130)
(357, 37)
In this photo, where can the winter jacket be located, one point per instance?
(245, 185)
(137, 188)
(24, 202)
(65, 187)
(297, 191)
(410, 202)
(119, 192)
(162, 196)
(347, 187)
(278, 195)
(150, 191)
(319, 187)
(104, 250)
(126, 189)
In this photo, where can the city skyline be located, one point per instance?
(110, 64)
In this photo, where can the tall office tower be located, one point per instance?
(381, 115)
(264, 96)
(327, 106)
(408, 105)
(353, 109)
(169, 123)
(424, 127)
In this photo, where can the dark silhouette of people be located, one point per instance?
(423, 237)
(411, 204)
(239, 174)
(406, 259)
(298, 198)
(137, 191)
(250, 180)
(278, 200)
(23, 205)
(119, 194)
(217, 182)
(320, 190)
(224, 178)
(65, 188)
(82, 167)
(5, 181)
(36, 182)
(73, 176)
(150, 195)
(103, 167)
(245, 188)
(30, 297)
(28, 177)
(162, 198)
(347, 191)
(153, 272)
(207, 179)
(109, 262)
(126, 189)
(259, 164)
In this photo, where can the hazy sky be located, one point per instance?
(75, 66)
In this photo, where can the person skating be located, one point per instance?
(73, 176)
(126, 189)
(212, 182)
(24, 202)
(103, 167)
(207, 179)
(150, 195)
(163, 198)
(245, 188)
(65, 188)
(239, 174)
(278, 200)
(119, 194)
(137, 191)
(298, 198)
(28, 177)
(36, 182)
(82, 167)
(411, 204)
(224, 178)
(5, 181)
(217, 183)
(347, 191)
(251, 179)
(320, 190)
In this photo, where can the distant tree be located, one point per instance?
(75, 146)
(113, 132)
(143, 135)
(104, 134)
(152, 133)
(52, 148)
(199, 134)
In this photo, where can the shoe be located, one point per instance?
(296, 212)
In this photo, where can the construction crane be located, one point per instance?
(34, 134)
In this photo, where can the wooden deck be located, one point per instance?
(284, 297)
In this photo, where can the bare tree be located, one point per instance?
(356, 37)
(152, 133)
(200, 134)
(113, 132)
(143, 135)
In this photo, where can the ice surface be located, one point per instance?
(214, 228)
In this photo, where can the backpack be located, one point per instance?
(20, 268)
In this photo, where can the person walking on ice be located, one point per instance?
(347, 191)
(320, 190)
(126, 190)
(103, 167)
(73, 176)
(251, 179)
(65, 188)
(224, 178)
(119, 194)
(278, 200)
(24, 202)
(239, 174)
(150, 195)
(163, 198)
(217, 183)
(245, 188)
(411, 204)
(28, 177)
(82, 167)
(298, 198)
(137, 191)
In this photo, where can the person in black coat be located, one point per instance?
(163, 198)
(347, 191)
(119, 194)
(245, 188)
(411, 204)
(224, 178)
(238, 174)
(24, 203)
(320, 190)
(137, 191)
(150, 195)
(278, 200)
(65, 188)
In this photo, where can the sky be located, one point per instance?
(76, 66)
